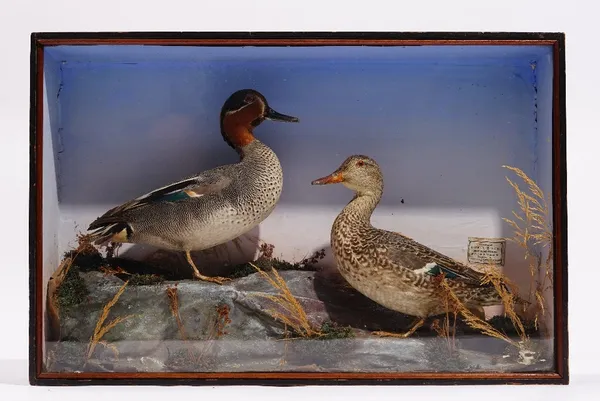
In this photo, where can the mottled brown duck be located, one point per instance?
(390, 268)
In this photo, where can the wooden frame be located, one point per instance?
(39, 41)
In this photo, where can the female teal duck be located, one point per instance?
(214, 206)
(390, 268)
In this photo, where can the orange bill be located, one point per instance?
(333, 178)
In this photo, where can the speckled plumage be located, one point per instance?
(234, 199)
(214, 206)
(390, 268)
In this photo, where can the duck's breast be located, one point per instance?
(251, 198)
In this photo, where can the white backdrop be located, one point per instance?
(578, 19)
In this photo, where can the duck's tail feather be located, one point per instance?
(118, 232)
(494, 294)
(514, 292)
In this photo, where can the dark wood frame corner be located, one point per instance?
(39, 41)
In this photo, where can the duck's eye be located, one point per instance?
(360, 163)
(249, 98)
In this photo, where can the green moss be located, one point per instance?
(241, 270)
(86, 258)
(331, 330)
(86, 261)
(145, 279)
(266, 264)
(72, 290)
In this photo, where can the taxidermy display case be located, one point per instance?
(298, 208)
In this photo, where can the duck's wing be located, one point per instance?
(422, 259)
(203, 184)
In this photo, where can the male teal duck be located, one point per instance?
(214, 206)
(391, 269)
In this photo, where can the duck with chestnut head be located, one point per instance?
(390, 268)
(212, 207)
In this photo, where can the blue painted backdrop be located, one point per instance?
(441, 121)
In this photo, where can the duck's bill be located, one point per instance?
(330, 179)
(275, 116)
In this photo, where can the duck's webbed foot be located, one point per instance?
(418, 323)
(218, 280)
(199, 276)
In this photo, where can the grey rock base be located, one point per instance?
(246, 338)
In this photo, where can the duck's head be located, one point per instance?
(242, 112)
(359, 173)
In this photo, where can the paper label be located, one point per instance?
(486, 250)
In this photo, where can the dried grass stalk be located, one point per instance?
(101, 329)
(446, 331)
(532, 229)
(54, 284)
(113, 271)
(469, 317)
(84, 245)
(532, 225)
(507, 290)
(221, 321)
(174, 305)
(291, 313)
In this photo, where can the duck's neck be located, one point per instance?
(361, 207)
(240, 138)
(256, 152)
